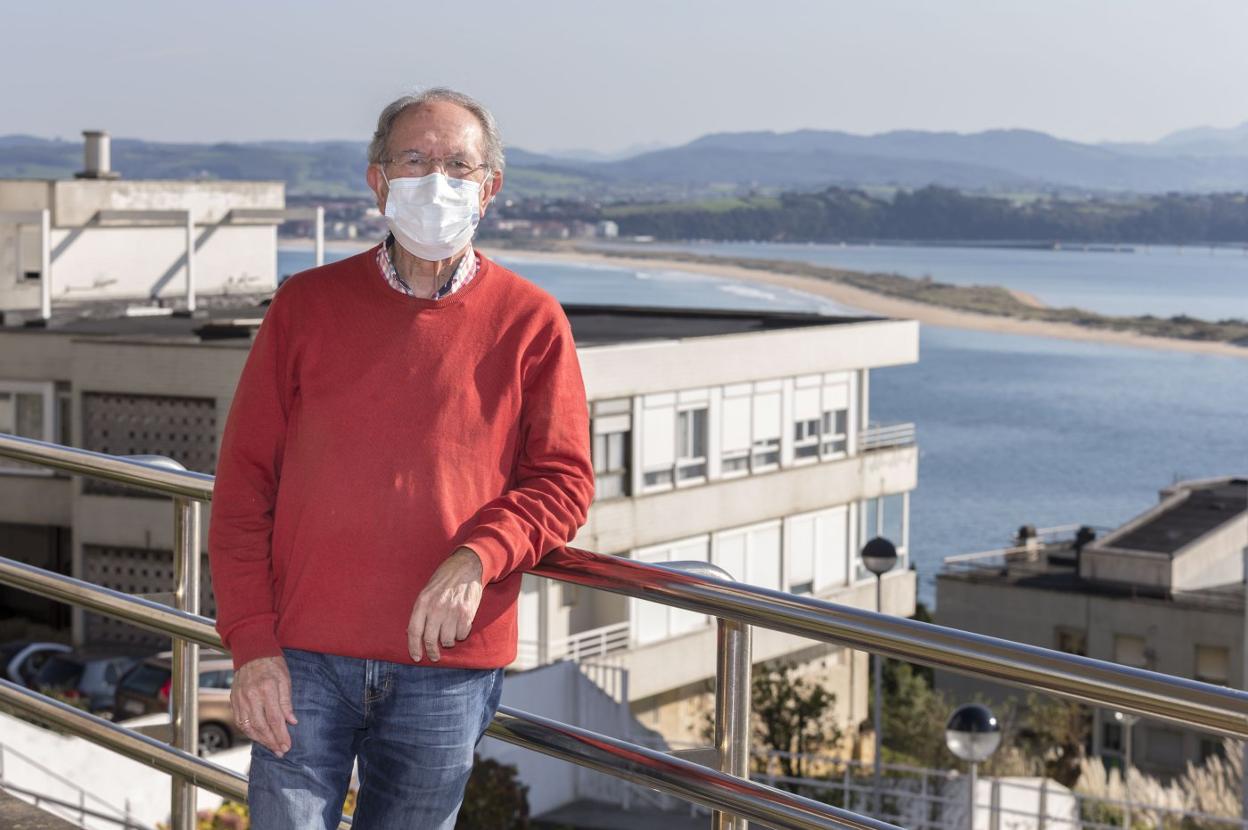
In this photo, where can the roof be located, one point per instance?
(1173, 526)
(225, 317)
(1055, 568)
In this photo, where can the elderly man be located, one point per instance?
(408, 436)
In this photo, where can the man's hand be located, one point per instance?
(444, 611)
(261, 700)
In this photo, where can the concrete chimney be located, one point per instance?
(97, 159)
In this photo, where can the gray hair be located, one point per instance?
(493, 142)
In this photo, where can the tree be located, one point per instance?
(792, 715)
(493, 798)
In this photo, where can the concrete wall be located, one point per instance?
(678, 661)
(1214, 559)
(131, 257)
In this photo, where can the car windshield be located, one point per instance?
(146, 679)
(60, 671)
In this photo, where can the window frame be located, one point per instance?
(46, 389)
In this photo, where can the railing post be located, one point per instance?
(184, 696)
(732, 710)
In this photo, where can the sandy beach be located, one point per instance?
(885, 306)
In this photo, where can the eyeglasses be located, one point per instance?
(418, 164)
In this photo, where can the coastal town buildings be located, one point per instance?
(1163, 592)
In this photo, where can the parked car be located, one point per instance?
(147, 687)
(89, 678)
(21, 660)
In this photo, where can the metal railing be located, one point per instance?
(886, 436)
(732, 797)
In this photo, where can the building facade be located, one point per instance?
(743, 439)
(1163, 592)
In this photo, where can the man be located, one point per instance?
(409, 435)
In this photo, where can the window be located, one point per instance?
(651, 621)
(750, 554)
(691, 444)
(734, 443)
(886, 516)
(26, 409)
(765, 447)
(675, 436)
(659, 440)
(1071, 640)
(834, 417)
(818, 544)
(1212, 665)
(1129, 650)
(807, 421)
(611, 425)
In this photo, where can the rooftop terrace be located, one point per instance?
(234, 317)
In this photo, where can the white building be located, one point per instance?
(739, 438)
(100, 236)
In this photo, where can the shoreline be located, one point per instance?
(888, 306)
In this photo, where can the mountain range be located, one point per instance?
(1003, 161)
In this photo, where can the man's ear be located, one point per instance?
(377, 184)
(490, 191)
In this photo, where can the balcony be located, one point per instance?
(887, 436)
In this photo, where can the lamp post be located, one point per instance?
(1127, 723)
(972, 734)
(879, 556)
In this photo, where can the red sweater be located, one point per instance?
(373, 433)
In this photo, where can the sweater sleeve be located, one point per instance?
(245, 492)
(554, 474)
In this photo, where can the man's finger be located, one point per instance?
(446, 635)
(463, 628)
(274, 719)
(416, 633)
(260, 724)
(430, 638)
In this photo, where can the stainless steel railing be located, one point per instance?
(735, 605)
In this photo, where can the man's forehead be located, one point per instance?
(449, 127)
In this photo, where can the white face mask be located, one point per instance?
(433, 216)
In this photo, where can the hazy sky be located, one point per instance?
(609, 75)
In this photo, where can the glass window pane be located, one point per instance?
(894, 515)
(29, 415)
(870, 520)
(764, 557)
(699, 433)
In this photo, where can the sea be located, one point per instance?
(1012, 430)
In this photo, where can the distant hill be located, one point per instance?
(1000, 161)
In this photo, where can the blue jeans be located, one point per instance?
(412, 727)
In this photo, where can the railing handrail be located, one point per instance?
(1097, 682)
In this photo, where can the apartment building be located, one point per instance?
(738, 438)
(1162, 592)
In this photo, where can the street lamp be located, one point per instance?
(879, 556)
(972, 734)
(1126, 722)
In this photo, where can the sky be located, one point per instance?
(602, 76)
